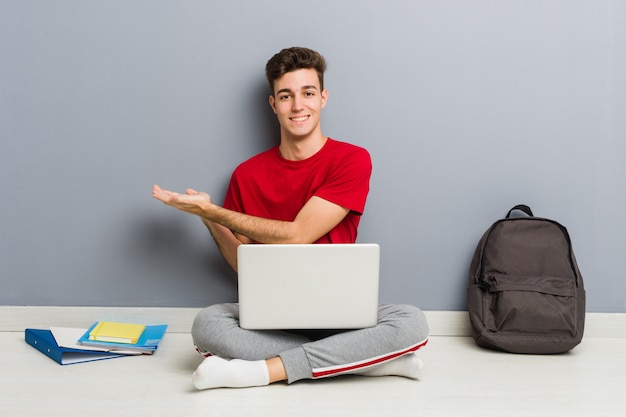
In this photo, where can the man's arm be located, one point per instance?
(315, 219)
(226, 241)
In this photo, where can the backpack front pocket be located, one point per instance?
(530, 305)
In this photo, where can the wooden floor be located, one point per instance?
(460, 380)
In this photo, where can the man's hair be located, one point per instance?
(291, 59)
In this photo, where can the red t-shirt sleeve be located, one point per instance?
(347, 182)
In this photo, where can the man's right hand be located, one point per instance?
(192, 201)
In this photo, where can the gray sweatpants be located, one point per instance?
(401, 329)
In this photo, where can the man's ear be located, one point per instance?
(272, 102)
(324, 98)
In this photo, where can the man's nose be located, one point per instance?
(296, 104)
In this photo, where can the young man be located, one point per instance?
(308, 189)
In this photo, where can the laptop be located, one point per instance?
(302, 286)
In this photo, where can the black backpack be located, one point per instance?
(526, 292)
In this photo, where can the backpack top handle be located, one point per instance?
(521, 207)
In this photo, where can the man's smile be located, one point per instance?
(299, 118)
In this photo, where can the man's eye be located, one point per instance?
(283, 97)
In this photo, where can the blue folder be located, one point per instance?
(44, 341)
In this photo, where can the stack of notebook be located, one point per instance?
(103, 340)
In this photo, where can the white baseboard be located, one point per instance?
(442, 323)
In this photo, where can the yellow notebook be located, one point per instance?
(107, 331)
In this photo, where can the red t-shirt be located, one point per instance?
(269, 186)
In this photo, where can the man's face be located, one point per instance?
(298, 103)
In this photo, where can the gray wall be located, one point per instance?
(467, 107)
